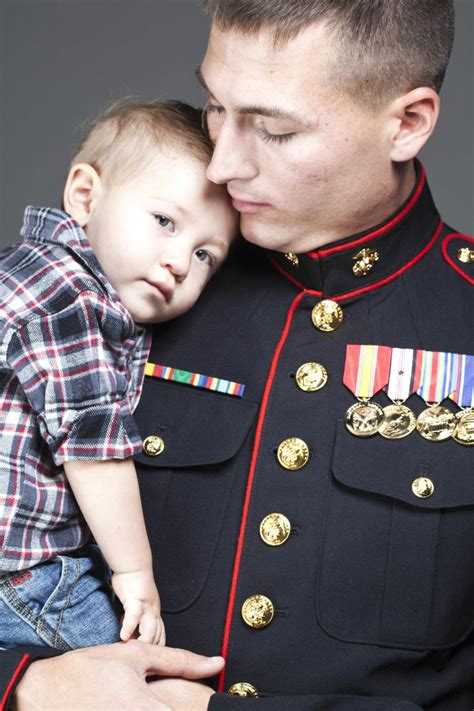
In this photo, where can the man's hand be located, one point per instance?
(182, 695)
(109, 678)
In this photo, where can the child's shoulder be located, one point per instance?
(39, 279)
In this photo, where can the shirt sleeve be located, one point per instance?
(74, 367)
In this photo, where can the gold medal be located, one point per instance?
(399, 421)
(464, 430)
(364, 418)
(436, 423)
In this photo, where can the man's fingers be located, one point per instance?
(167, 661)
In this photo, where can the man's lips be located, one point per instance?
(248, 206)
(164, 290)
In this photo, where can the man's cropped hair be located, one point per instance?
(384, 48)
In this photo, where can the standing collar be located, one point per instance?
(369, 259)
(53, 226)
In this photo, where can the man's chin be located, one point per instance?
(264, 235)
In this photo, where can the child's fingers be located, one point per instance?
(133, 613)
(148, 626)
(160, 637)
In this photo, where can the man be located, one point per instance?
(323, 545)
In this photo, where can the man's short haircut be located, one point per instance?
(123, 140)
(386, 47)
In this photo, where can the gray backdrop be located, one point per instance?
(62, 61)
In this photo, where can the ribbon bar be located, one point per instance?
(196, 380)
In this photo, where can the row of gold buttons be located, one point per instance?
(293, 453)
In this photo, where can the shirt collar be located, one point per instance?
(53, 226)
(370, 259)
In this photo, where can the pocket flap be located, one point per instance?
(197, 426)
(389, 468)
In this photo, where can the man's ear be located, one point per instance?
(414, 117)
(82, 192)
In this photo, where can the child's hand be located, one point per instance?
(138, 594)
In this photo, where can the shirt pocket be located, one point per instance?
(185, 490)
(397, 570)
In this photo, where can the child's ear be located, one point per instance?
(82, 192)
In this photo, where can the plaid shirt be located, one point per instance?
(71, 370)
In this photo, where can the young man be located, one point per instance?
(333, 570)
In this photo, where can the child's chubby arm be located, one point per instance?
(108, 495)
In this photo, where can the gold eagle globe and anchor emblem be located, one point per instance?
(364, 261)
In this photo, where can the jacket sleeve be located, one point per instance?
(13, 664)
(310, 702)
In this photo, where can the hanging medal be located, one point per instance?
(365, 373)
(399, 420)
(463, 396)
(434, 382)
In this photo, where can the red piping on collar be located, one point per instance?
(248, 492)
(376, 233)
(20, 668)
(444, 250)
(382, 282)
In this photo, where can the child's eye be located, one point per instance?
(204, 256)
(165, 222)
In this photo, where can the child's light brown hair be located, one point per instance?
(123, 139)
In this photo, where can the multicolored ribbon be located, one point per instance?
(196, 380)
(400, 382)
(436, 375)
(366, 369)
(463, 392)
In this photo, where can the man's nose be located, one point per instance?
(232, 158)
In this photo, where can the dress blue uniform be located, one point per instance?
(300, 550)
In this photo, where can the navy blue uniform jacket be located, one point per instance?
(373, 591)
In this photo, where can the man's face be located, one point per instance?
(160, 235)
(304, 163)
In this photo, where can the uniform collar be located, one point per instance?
(367, 260)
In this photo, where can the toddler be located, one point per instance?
(142, 232)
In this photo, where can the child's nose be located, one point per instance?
(178, 262)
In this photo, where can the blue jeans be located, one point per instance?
(64, 603)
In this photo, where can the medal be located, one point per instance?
(365, 373)
(463, 395)
(399, 421)
(435, 372)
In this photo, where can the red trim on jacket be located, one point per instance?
(350, 245)
(444, 250)
(253, 464)
(289, 277)
(20, 668)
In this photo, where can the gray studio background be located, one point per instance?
(62, 61)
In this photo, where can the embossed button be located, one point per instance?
(153, 445)
(327, 315)
(275, 529)
(311, 377)
(293, 453)
(423, 488)
(243, 688)
(258, 611)
(465, 255)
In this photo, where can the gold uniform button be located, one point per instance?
(293, 453)
(465, 255)
(242, 688)
(153, 445)
(258, 611)
(327, 315)
(275, 529)
(423, 488)
(311, 377)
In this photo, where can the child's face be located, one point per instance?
(161, 235)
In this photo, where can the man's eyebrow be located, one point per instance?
(268, 111)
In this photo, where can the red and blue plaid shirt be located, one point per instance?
(71, 370)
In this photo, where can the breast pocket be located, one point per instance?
(186, 488)
(396, 565)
